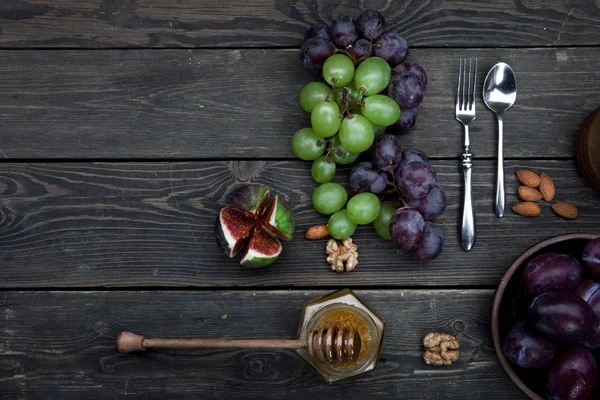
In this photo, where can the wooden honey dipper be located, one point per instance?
(328, 345)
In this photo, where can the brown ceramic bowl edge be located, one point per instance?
(498, 299)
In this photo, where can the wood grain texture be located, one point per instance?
(152, 224)
(244, 103)
(57, 345)
(155, 23)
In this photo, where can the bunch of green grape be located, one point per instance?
(345, 115)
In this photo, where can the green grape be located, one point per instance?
(373, 75)
(356, 133)
(340, 68)
(325, 118)
(341, 155)
(313, 93)
(329, 198)
(307, 145)
(363, 208)
(381, 110)
(323, 169)
(340, 226)
(377, 129)
(382, 222)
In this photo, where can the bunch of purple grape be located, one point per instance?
(558, 314)
(408, 174)
(363, 38)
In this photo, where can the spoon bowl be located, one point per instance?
(500, 88)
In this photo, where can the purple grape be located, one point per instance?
(432, 245)
(371, 24)
(365, 177)
(526, 348)
(415, 179)
(406, 90)
(589, 291)
(591, 257)
(572, 375)
(408, 117)
(432, 205)
(315, 51)
(550, 272)
(315, 31)
(362, 48)
(562, 315)
(386, 152)
(392, 47)
(410, 68)
(343, 31)
(409, 155)
(407, 228)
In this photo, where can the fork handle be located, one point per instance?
(500, 196)
(467, 232)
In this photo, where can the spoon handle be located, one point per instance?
(500, 195)
(467, 231)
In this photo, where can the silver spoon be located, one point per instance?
(499, 94)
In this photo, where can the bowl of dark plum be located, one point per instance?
(546, 319)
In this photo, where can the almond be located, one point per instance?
(316, 232)
(527, 209)
(565, 210)
(528, 178)
(547, 188)
(529, 194)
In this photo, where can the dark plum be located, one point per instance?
(432, 245)
(572, 375)
(386, 152)
(407, 228)
(590, 292)
(406, 90)
(365, 177)
(562, 315)
(317, 31)
(415, 179)
(371, 24)
(392, 47)
(432, 205)
(410, 68)
(362, 48)
(527, 348)
(551, 272)
(343, 31)
(315, 51)
(409, 155)
(408, 117)
(591, 257)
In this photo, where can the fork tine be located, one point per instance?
(458, 89)
(474, 85)
(464, 89)
(469, 94)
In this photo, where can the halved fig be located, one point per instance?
(253, 224)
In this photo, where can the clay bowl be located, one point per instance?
(588, 149)
(503, 316)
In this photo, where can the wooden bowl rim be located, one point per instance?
(498, 299)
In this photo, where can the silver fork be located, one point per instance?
(465, 113)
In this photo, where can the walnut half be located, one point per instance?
(440, 349)
(342, 255)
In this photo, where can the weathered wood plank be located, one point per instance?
(57, 345)
(172, 103)
(155, 23)
(151, 224)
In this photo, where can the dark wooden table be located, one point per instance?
(125, 124)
